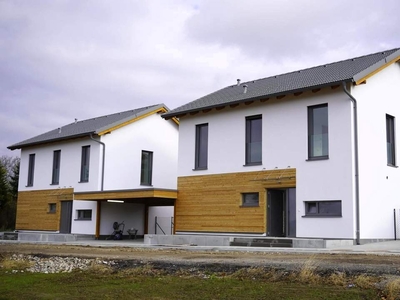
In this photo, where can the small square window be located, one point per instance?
(52, 208)
(84, 214)
(250, 199)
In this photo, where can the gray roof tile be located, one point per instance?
(329, 74)
(86, 127)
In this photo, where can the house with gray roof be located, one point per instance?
(82, 177)
(307, 154)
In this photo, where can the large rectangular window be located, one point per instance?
(147, 168)
(55, 178)
(31, 169)
(254, 140)
(201, 155)
(390, 141)
(318, 147)
(85, 164)
(323, 208)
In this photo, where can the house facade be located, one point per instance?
(83, 177)
(308, 154)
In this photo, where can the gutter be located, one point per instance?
(103, 162)
(356, 172)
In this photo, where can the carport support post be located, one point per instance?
(97, 235)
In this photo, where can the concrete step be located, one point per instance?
(53, 237)
(9, 236)
(262, 242)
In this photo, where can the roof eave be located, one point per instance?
(20, 146)
(183, 112)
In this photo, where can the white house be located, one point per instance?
(83, 177)
(308, 154)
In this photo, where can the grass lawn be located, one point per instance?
(89, 285)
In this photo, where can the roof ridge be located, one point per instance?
(113, 114)
(87, 126)
(315, 76)
(318, 66)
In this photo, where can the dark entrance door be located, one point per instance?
(66, 217)
(276, 213)
(281, 212)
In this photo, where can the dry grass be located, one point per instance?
(337, 279)
(307, 272)
(8, 263)
(99, 268)
(365, 281)
(146, 270)
(392, 289)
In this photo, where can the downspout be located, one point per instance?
(104, 159)
(357, 183)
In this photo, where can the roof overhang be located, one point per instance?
(157, 110)
(262, 98)
(375, 68)
(23, 145)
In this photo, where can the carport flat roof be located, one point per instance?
(126, 194)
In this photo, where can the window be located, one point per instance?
(323, 208)
(52, 208)
(85, 163)
(201, 155)
(147, 168)
(253, 140)
(31, 169)
(250, 199)
(318, 132)
(84, 214)
(55, 178)
(390, 142)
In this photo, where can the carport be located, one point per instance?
(143, 198)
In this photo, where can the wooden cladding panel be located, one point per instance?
(212, 203)
(33, 206)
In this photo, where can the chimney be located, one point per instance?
(245, 88)
(76, 120)
(59, 129)
(238, 82)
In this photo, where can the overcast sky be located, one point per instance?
(61, 60)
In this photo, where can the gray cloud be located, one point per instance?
(302, 29)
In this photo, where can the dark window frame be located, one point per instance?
(311, 134)
(84, 215)
(31, 169)
(201, 147)
(55, 176)
(52, 208)
(250, 121)
(318, 208)
(390, 140)
(85, 163)
(247, 203)
(146, 170)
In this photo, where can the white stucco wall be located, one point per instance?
(284, 144)
(164, 212)
(379, 183)
(131, 213)
(83, 226)
(70, 166)
(123, 154)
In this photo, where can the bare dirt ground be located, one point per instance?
(171, 259)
